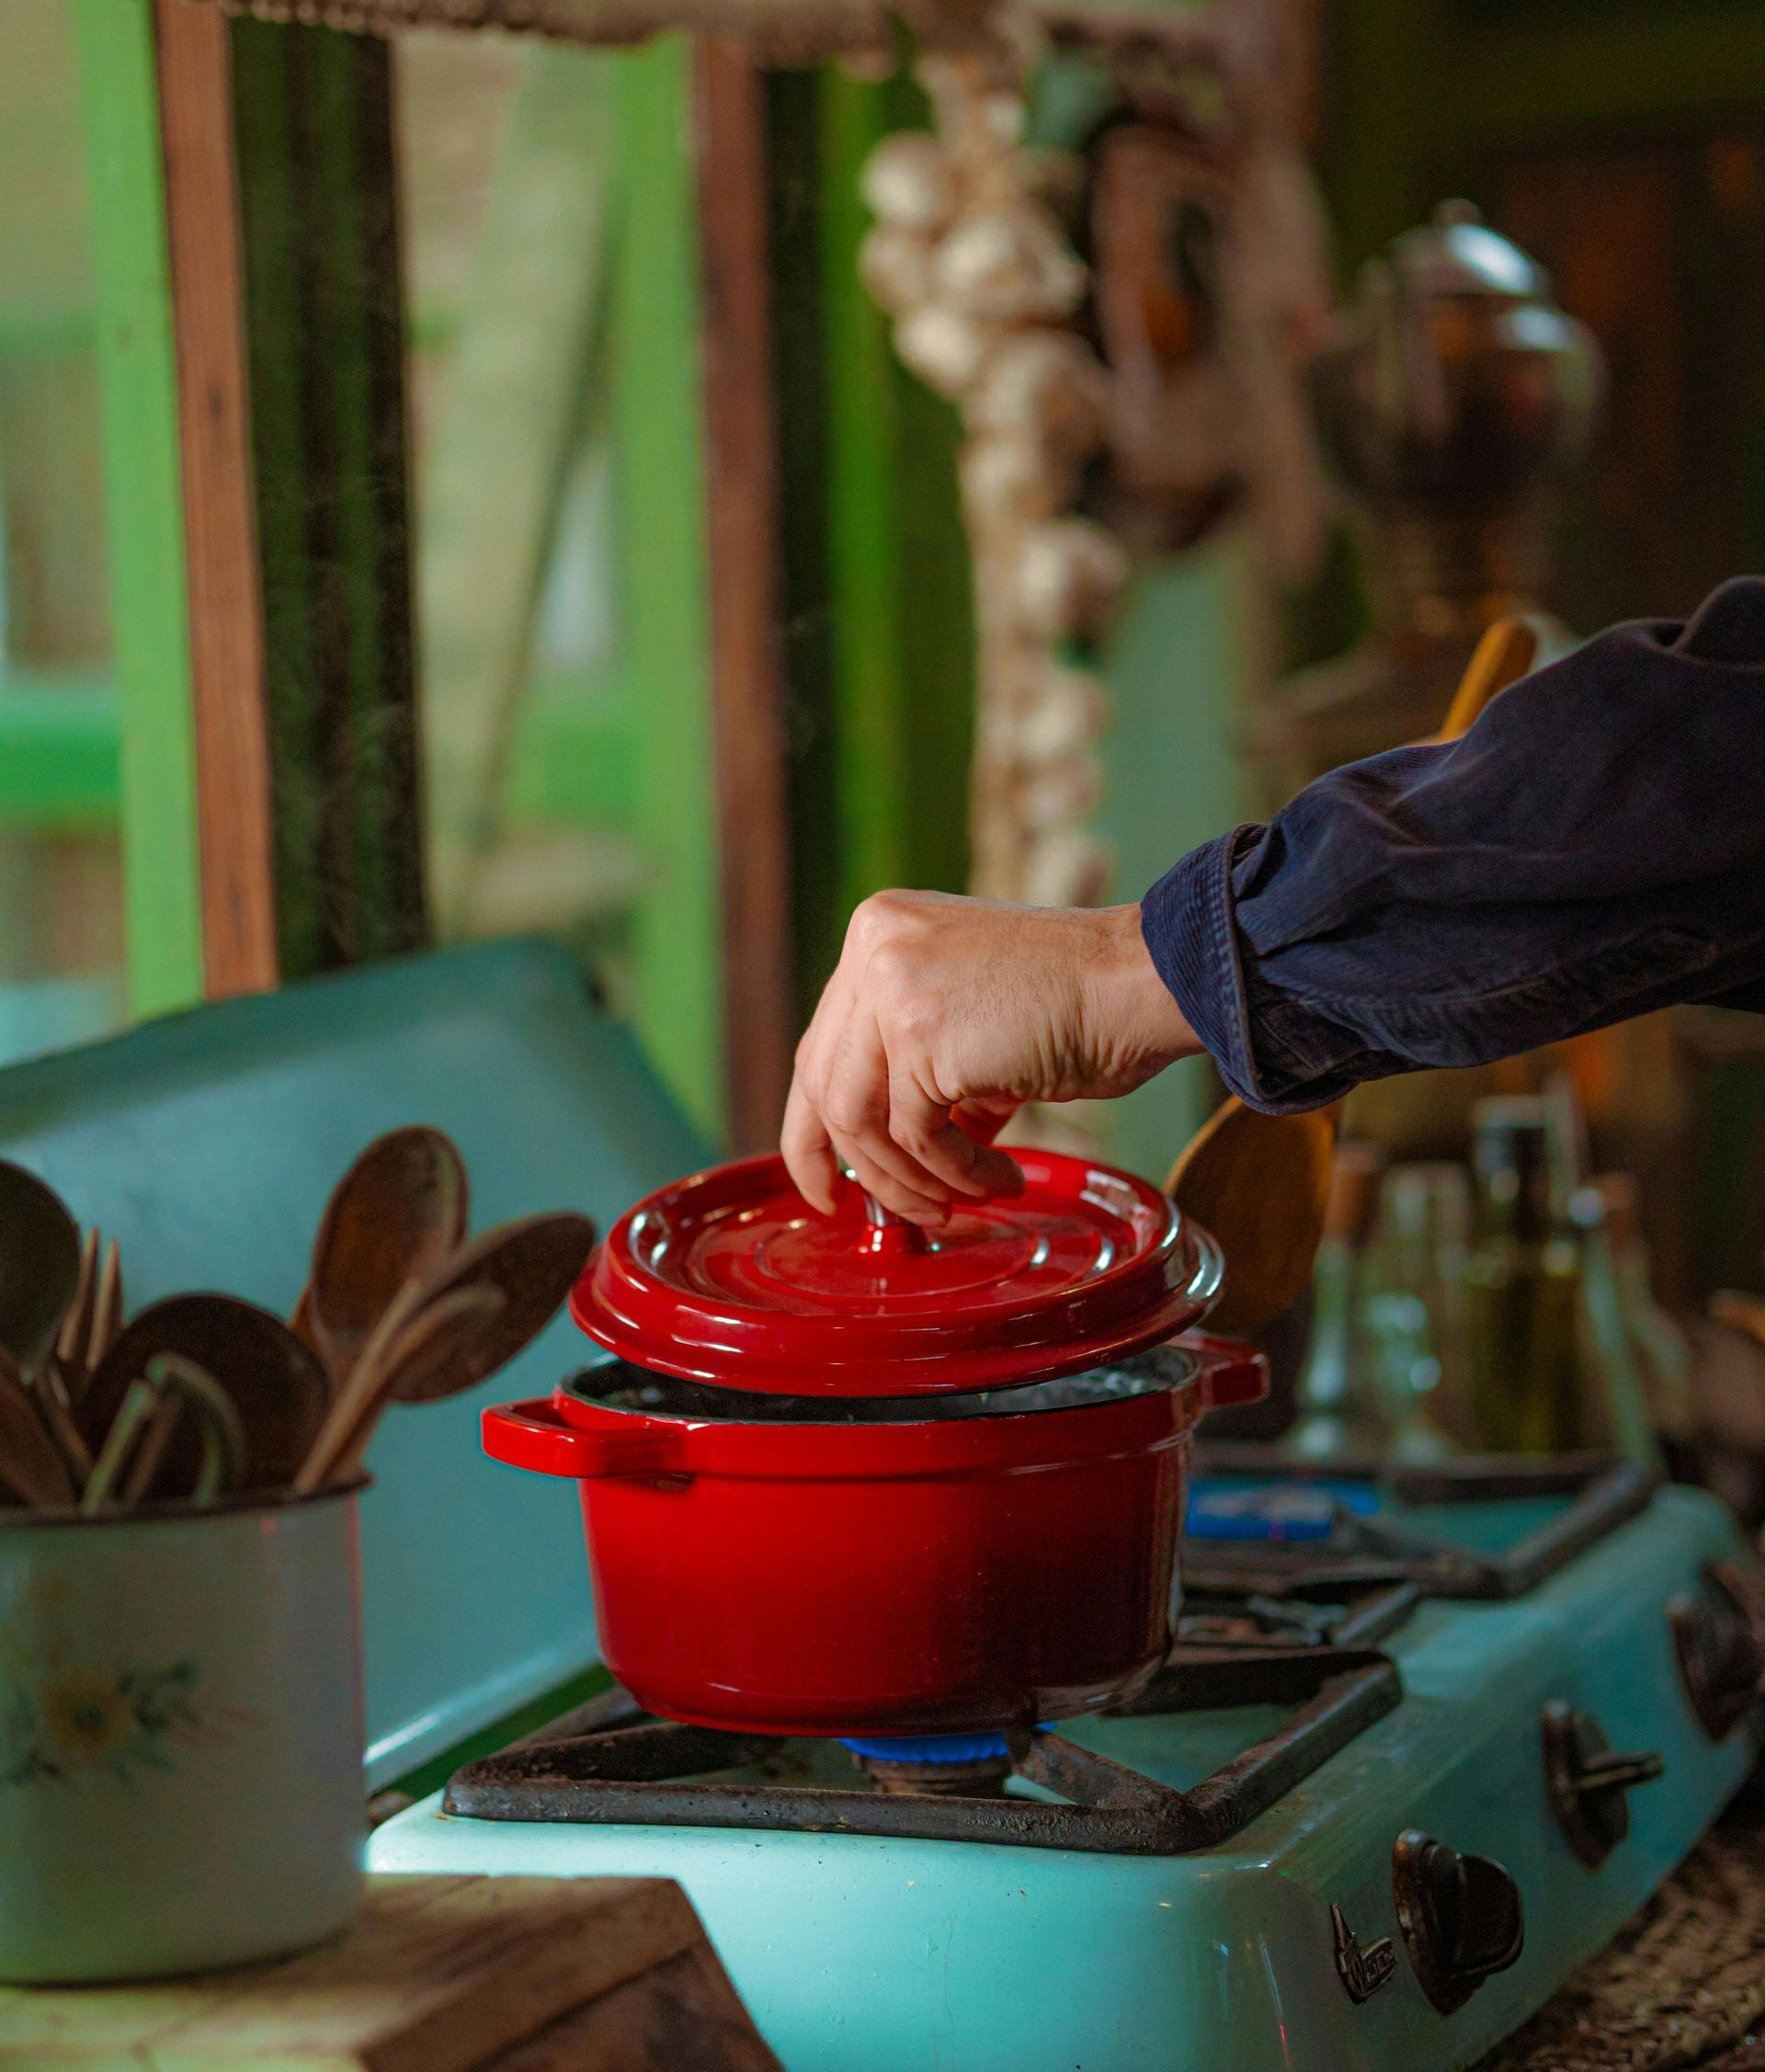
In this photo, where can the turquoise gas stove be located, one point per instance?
(1423, 1746)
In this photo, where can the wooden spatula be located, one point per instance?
(1260, 1183)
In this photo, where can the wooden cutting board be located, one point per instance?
(439, 1974)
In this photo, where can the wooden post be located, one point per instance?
(226, 620)
(742, 524)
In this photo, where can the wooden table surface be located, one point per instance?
(438, 1974)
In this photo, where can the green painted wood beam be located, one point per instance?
(144, 490)
(659, 445)
(60, 753)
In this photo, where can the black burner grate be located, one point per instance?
(1363, 1554)
(632, 1769)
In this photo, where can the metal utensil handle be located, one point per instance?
(884, 1232)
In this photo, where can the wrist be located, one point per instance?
(1137, 1024)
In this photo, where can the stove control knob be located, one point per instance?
(1590, 1781)
(1461, 1916)
(1719, 1638)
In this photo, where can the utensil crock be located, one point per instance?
(180, 1736)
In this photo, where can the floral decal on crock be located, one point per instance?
(61, 1720)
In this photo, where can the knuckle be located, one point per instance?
(878, 917)
(845, 1112)
(914, 1014)
(907, 1131)
(890, 964)
(869, 921)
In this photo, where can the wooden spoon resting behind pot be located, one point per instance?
(1258, 1183)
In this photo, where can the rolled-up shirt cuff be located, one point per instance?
(1187, 923)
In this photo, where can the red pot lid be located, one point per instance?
(732, 1277)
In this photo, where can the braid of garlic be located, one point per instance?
(972, 265)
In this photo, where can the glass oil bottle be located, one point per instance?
(1522, 1290)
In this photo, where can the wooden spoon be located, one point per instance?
(55, 1413)
(72, 1339)
(94, 1317)
(423, 1334)
(1260, 1183)
(531, 1266)
(30, 1465)
(40, 1265)
(398, 1211)
(279, 1386)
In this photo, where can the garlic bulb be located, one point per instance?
(1044, 382)
(1069, 573)
(908, 181)
(1011, 479)
(1005, 117)
(1061, 794)
(1067, 869)
(941, 347)
(894, 264)
(1065, 712)
(1008, 265)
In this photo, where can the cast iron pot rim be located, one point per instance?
(1164, 1371)
(181, 1511)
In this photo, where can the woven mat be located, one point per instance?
(1683, 1986)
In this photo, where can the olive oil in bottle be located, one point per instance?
(1343, 1414)
(1522, 1288)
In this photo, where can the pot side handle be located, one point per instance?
(532, 1435)
(1232, 1372)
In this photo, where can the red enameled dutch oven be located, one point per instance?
(847, 1477)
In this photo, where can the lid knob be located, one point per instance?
(887, 1235)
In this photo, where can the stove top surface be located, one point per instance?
(1510, 1758)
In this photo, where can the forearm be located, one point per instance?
(1594, 849)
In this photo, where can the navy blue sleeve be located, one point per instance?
(1593, 848)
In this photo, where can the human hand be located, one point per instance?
(943, 1016)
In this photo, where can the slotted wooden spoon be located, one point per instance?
(1260, 1183)
(276, 1383)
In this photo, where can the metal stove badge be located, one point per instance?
(1361, 1971)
